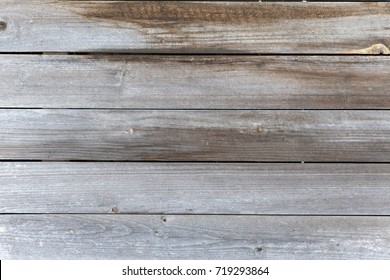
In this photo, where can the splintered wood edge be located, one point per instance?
(374, 49)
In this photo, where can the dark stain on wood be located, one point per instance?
(151, 14)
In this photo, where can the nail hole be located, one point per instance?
(115, 210)
(259, 249)
(164, 220)
(3, 25)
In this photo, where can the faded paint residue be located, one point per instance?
(3, 229)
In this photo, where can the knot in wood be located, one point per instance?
(3, 25)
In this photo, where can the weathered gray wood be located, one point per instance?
(326, 136)
(184, 82)
(193, 237)
(126, 26)
(169, 188)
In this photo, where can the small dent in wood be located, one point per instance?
(3, 25)
(260, 130)
(115, 210)
(131, 131)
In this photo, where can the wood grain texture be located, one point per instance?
(195, 82)
(319, 136)
(192, 237)
(152, 210)
(171, 27)
(169, 188)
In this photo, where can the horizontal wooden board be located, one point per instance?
(195, 82)
(171, 27)
(193, 237)
(169, 188)
(137, 135)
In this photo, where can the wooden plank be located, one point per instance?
(193, 237)
(194, 82)
(316, 136)
(169, 188)
(171, 27)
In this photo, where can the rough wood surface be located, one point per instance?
(169, 188)
(316, 136)
(197, 82)
(193, 237)
(171, 27)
